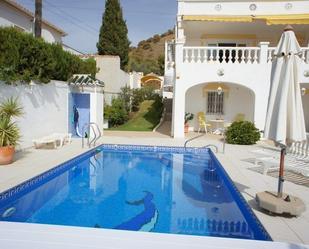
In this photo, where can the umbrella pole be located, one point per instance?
(281, 171)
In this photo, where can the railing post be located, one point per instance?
(263, 52)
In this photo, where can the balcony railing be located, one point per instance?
(232, 55)
(221, 54)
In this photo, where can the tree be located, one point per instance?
(113, 37)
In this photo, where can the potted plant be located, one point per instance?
(188, 116)
(9, 131)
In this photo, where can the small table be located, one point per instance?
(218, 130)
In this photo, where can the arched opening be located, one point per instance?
(219, 101)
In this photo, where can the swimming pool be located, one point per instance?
(139, 188)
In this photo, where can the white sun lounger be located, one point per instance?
(296, 165)
(57, 140)
(297, 158)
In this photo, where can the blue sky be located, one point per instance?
(81, 19)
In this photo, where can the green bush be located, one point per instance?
(242, 132)
(116, 113)
(25, 58)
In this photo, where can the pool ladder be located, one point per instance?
(96, 131)
(206, 146)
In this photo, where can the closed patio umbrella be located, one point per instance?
(285, 121)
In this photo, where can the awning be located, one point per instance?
(285, 19)
(218, 18)
(269, 19)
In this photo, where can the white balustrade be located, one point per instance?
(228, 55)
(305, 55)
(270, 54)
(232, 55)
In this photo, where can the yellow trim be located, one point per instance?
(217, 18)
(285, 19)
(270, 19)
(229, 36)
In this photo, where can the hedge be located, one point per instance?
(25, 58)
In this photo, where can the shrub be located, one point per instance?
(25, 58)
(116, 113)
(242, 132)
(126, 95)
(146, 46)
(156, 38)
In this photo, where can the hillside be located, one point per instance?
(148, 56)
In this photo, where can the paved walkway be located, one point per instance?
(235, 161)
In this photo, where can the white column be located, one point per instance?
(178, 110)
(179, 96)
(263, 52)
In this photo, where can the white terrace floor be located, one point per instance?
(34, 162)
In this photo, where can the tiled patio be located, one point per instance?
(235, 161)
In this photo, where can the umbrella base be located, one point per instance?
(287, 204)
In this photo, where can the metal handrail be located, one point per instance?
(212, 145)
(206, 146)
(99, 135)
(96, 136)
(191, 139)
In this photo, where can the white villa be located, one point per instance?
(220, 60)
(15, 15)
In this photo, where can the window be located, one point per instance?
(215, 103)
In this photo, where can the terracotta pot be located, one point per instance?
(6, 155)
(186, 128)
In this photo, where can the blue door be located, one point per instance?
(79, 109)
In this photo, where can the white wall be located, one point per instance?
(97, 107)
(135, 80)
(110, 73)
(45, 109)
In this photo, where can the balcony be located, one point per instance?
(205, 63)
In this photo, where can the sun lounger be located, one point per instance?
(297, 158)
(296, 165)
(57, 140)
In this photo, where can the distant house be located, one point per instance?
(113, 77)
(15, 15)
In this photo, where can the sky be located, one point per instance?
(82, 19)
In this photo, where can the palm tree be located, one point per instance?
(9, 131)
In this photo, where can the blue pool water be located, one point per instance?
(155, 189)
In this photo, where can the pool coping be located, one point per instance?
(42, 178)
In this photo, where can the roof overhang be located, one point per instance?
(85, 80)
